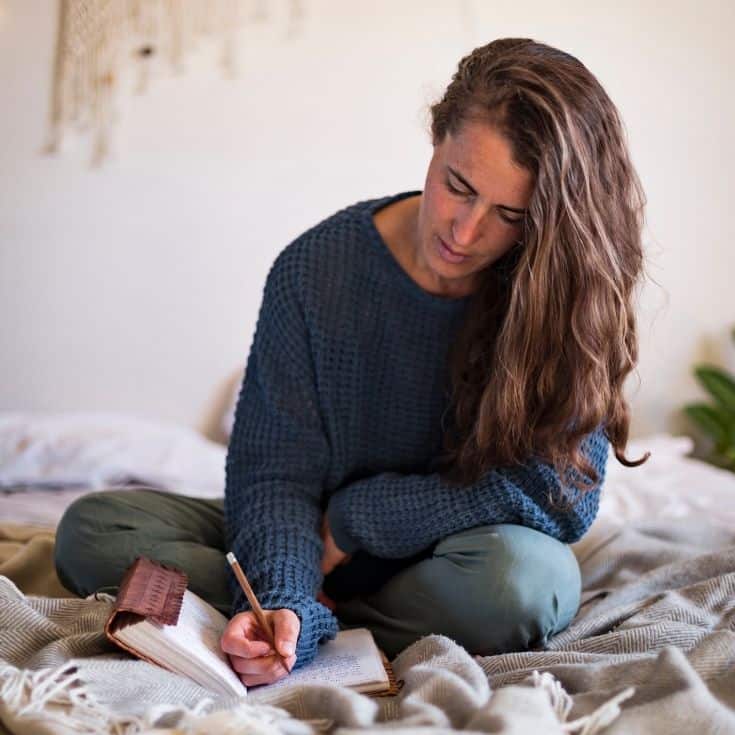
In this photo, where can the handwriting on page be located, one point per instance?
(341, 668)
(338, 669)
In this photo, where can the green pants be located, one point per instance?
(491, 588)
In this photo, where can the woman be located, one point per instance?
(434, 381)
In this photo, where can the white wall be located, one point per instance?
(135, 287)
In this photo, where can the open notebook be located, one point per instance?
(157, 619)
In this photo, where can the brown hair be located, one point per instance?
(550, 334)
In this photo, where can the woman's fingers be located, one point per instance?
(245, 648)
(249, 651)
(286, 627)
(265, 666)
(253, 681)
(241, 638)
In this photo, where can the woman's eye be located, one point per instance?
(461, 193)
(510, 221)
(455, 190)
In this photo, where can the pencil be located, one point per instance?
(255, 605)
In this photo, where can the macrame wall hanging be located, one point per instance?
(101, 43)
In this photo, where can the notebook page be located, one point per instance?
(193, 643)
(350, 659)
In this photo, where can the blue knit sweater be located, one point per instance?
(340, 412)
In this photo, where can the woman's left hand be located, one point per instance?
(333, 556)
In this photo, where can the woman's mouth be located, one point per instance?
(447, 254)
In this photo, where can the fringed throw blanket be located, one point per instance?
(652, 650)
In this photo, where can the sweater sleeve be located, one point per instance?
(276, 461)
(394, 516)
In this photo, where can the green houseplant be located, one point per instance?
(716, 417)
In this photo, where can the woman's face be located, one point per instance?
(473, 202)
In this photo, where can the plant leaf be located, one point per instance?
(719, 384)
(710, 420)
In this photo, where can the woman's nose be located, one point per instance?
(466, 226)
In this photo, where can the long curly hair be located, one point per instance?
(550, 334)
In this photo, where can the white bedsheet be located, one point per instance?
(669, 486)
(37, 507)
(57, 458)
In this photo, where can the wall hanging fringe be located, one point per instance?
(98, 42)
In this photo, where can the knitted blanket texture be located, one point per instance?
(651, 651)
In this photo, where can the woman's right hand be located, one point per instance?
(250, 654)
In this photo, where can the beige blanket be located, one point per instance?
(27, 558)
(59, 675)
(659, 617)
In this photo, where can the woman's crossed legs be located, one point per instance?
(491, 588)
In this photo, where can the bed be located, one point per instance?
(652, 648)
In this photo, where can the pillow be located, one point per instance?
(98, 450)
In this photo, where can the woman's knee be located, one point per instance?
(506, 587)
(86, 553)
